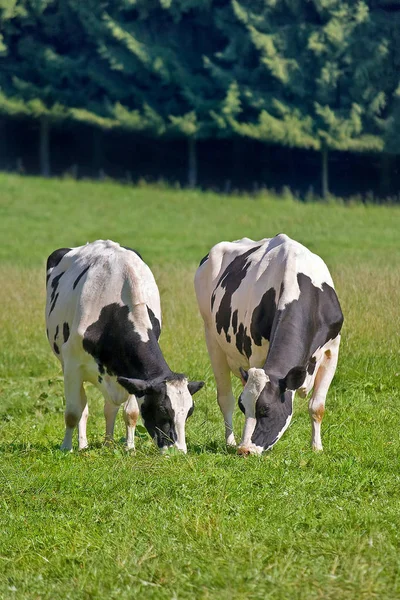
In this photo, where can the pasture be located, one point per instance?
(106, 524)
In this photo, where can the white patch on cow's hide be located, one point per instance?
(181, 402)
(296, 259)
(139, 316)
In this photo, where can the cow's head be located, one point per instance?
(267, 404)
(164, 406)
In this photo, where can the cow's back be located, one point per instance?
(89, 278)
(242, 285)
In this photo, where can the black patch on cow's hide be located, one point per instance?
(99, 379)
(114, 343)
(54, 258)
(54, 304)
(54, 296)
(304, 325)
(203, 260)
(243, 341)
(263, 317)
(311, 365)
(55, 345)
(235, 321)
(155, 323)
(272, 412)
(65, 332)
(230, 280)
(132, 250)
(77, 280)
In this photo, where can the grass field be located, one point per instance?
(291, 524)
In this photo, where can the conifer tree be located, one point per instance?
(44, 73)
(309, 83)
(149, 57)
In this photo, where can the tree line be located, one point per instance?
(314, 74)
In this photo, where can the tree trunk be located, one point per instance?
(237, 160)
(3, 146)
(192, 163)
(98, 150)
(324, 173)
(386, 167)
(44, 150)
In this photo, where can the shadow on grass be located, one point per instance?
(212, 447)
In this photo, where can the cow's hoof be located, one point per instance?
(65, 448)
(317, 447)
(231, 442)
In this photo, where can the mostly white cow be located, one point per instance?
(272, 317)
(103, 321)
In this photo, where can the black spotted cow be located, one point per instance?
(103, 322)
(272, 317)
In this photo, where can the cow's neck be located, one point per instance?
(146, 360)
(290, 346)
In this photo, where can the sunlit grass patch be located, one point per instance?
(105, 523)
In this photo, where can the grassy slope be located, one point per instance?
(291, 524)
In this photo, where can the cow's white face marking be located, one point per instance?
(181, 402)
(256, 382)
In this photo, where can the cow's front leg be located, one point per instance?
(110, 414)
(82, 439)
(323, 379)
(222, 374)
(75, 406)
(131, 415)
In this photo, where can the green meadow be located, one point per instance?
(107, 524)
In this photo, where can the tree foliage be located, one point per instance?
(316, 74)
(308, 74)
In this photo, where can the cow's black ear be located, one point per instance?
(195, 386)
(293, 380)
(134, 386)
(244, 375)
(156, 388)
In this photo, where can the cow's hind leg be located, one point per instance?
(110, 414)
(131, 415)
(222, 373)
(323, 379)
(76, 411)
